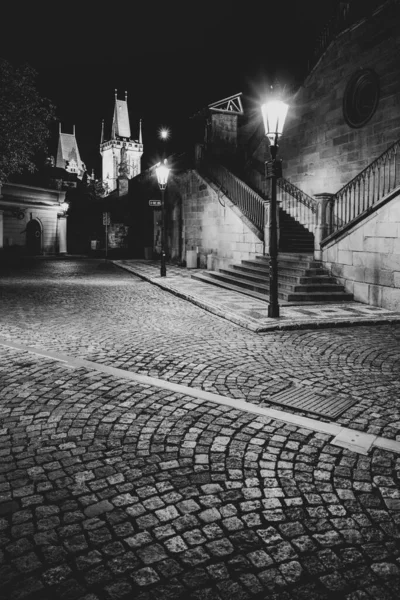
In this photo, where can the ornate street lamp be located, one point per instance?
(274, 114)
(162, 172)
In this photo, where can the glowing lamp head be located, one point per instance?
(274, 114)
(64, 206)
(164, 134)
(162, 172)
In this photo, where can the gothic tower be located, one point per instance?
(120, 138)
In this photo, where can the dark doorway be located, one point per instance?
(33, 237)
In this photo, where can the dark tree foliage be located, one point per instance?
(24, 120)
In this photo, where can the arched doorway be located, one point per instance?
(33, 237)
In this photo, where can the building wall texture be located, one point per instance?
(32, 204)
(367, 260)
(14, 232)
(211, 224)
(321, 152)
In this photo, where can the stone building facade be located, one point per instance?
(341, 119)
(32, 220)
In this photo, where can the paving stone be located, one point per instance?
(129, 489)
(151, 554)
(146, 576)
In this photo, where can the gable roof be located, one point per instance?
(67, 151)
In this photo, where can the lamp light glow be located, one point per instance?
(64, 206)
(274, 114)
(162, 172)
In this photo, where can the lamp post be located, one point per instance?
(274, 115)
(162, 172)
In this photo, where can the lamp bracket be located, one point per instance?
(273, 168)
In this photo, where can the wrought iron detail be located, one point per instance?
(297, 204)
(298, 194)
(365, 190)
(251, 204)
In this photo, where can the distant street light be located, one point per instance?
(162, 172)
(274, 114)
(164, 134)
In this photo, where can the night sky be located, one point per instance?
(173, 58)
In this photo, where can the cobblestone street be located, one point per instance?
(112, 489)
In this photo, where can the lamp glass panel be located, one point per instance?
(274, 114)
(162, 174)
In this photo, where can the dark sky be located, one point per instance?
(173, 58)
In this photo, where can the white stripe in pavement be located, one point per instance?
(351, 439)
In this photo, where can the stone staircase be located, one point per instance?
(293, 236)
(301, 279)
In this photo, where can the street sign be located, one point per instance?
(106, 218)
(154, 202)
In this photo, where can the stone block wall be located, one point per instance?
(321, 152)
(367, 259)
(211, 224)
(224, 134)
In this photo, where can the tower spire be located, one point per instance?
(140, 131)
(126, 96)
(73, 129)
(116, 93)
(102, 132)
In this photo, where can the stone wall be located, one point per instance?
(367, 259)
(14, 229)
(223, 135)
(31, 203)
(320, 151)
(211, 224)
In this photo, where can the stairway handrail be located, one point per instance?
(251, 204)
(366, 189)
(362, 174)
(298, 194)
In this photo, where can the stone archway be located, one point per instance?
(34, 237)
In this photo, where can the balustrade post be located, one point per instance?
(323, 225)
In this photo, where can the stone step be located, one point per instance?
(283, 284)
(261, 290)
(293, 278)
(290, 270)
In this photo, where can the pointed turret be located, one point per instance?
(140, 131)
(121, 126)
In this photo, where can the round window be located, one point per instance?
(361, 97)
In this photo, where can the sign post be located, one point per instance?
(106, 222)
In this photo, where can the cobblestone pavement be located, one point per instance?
(112, 490)
(94, 310)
